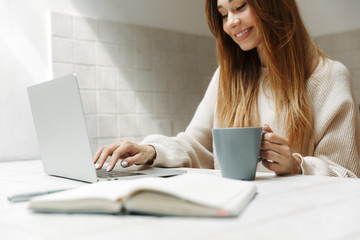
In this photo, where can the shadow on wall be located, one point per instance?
(134, 80)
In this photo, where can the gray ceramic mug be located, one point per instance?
(238, 151)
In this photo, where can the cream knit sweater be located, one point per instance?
(334, 150)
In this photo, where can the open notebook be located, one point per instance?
(184, 195)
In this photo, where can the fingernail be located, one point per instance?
(97, 166)
(124, 164)
(108, 168)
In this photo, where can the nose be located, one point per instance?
(234, 20)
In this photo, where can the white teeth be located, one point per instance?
(242, 33)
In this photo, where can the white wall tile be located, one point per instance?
(125, 34)
(161, 81)
(145, 103)
(164, 127)
(207, 65)
(192, 102)
(175, 62)
(107, 31)
(180, 123)
(160, 39)
(133, 139)
(177, 83)
(62, 50)
(127, 126)
(91, 125)
(355, 38)
(344, 47)
(191, 43)
(176, 41)
(356, 65)
(108, 127)
(86, 76)
(106, 141)
(143, 36)
(88, 99)
(127, 103)
(351, 59)
(85, 28)
(143, 58)
(62, 25)
(106, 54)
(107, 78)
(356, 79)
(178, 104)
(94, 145)
(107, 102)
(345, 41)
(162, 103)
(127, 80)
(85, 52)
(168, 40)
(62, 69)
(206, 46)
(193, 84)
(205, 83)
(323, 43)
(340, 42)
(191, 63)
(126, 56)
(144, 80)
(160, 61)
(146, 125)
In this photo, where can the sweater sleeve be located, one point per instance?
(336, 124)
(192, 148)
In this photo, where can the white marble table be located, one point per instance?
(294, 207)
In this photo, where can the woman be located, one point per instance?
(270, 74)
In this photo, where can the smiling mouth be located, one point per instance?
(243, 32)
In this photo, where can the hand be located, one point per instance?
(130, 153)
(277, 149)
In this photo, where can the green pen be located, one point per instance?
(27, 196)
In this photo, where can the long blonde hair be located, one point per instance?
(291, 56)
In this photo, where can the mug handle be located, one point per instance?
(262, 135)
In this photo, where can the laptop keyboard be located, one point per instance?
(102, 173)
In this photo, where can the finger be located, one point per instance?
(273, 156)
(272, 166)
(124, 150)
(107, 151)
(117, 154)
(274, 138)
(136, 159)
(97, 154)
(267, 128)
(269, 165)
(279, 148)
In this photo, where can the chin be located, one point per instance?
(247, 48)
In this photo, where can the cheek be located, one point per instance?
(226, 29)
(258, 35)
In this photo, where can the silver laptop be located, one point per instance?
(62, 136)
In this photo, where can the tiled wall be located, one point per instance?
(345, 47)
(134, 80)
(137, 80)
